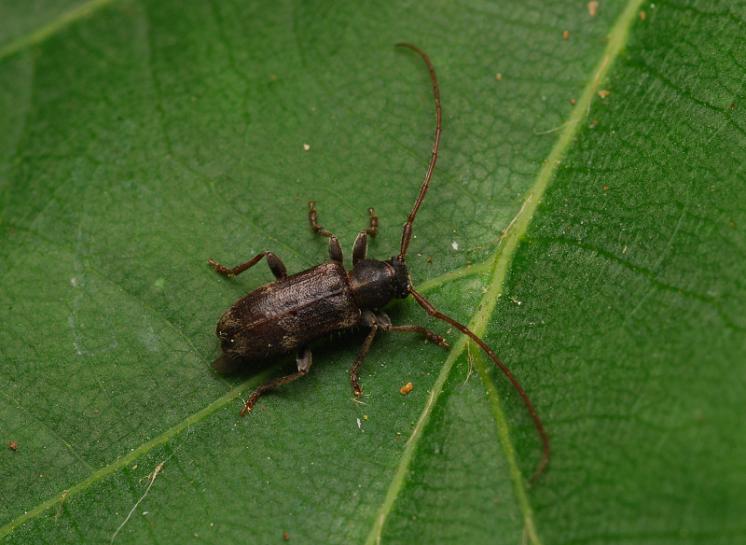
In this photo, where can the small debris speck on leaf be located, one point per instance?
(407, 388)
(603, 93)
(13, 445)
(306, 147)
(565, 35)
(593, 8)
(498, 76)
(285, 536)
(573, 101)
(643, 15)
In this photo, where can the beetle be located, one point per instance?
(286, 315)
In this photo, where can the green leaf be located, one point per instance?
(595, 241)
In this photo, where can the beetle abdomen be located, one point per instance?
(285, 315)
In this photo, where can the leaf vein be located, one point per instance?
(50, 29)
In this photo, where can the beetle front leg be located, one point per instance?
(313, 219)
(368, 319)
(303, 360)
(385, 324)
(275, 265)
(335, 250)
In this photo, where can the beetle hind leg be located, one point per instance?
(303, 360)
(275, 265)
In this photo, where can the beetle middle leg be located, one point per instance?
(368, 319)
(303, 361)
(275, 265)
(382, 322)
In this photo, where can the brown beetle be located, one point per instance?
(286, 315)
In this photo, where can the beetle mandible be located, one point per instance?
(286, 315)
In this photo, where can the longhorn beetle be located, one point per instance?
(288, 314)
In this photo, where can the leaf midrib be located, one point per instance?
(502, 258)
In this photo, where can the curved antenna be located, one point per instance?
(407, 232)
(432, 311)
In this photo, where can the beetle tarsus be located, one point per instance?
(372, 229)
(220, 269)
(248, 407)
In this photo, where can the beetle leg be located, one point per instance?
(360, 248)
(368, 319)
(335, 250)
(275, 265)
(303, 361)
(372, 229)
(313, 219)
(384, 322)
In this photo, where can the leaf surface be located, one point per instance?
(586, 217)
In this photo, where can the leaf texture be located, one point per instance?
(586, 217)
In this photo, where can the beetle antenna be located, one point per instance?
(432, 311)
(407, 232)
